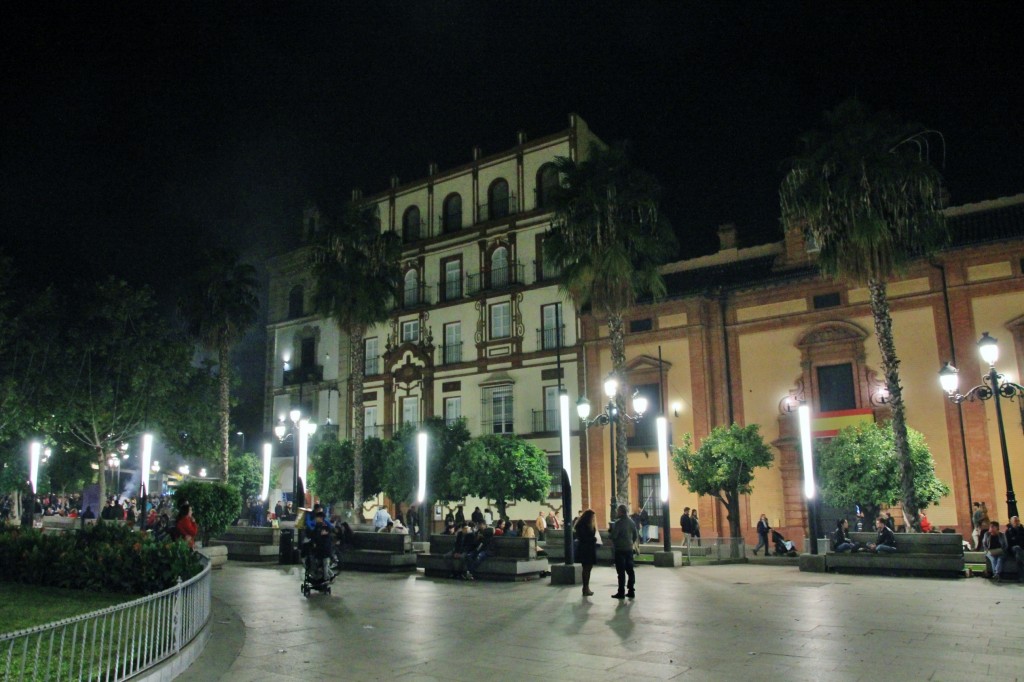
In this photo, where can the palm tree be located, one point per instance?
(865, 191)
(608, 237)
(220, 304)
(357, 280)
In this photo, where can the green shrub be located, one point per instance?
(104, 557)
(214, 505)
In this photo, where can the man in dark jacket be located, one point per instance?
(996, 548)
(481, 548)
(1015, 542)
(624, 536)
(885, 542)
(687, 525)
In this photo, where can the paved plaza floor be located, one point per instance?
(735, 622)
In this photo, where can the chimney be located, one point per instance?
(520, 137)
(476, 152)
(727, 236)
(394, 181)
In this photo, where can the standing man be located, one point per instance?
(977, 530)
(687, 526)
(624, 536)
(645, 519)
(541, 525)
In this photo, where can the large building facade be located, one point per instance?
(745, 335)
(481, 331)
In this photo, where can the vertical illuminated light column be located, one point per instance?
(147, 460)
(661, 427)
(421, 490)
(563, 419)
(34, 451)
(265, 487)
(306, 429)
(804, 413)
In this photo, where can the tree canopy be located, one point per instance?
(504, 469)
(723, 466)
(860, 466)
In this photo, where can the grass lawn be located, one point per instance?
(25, 606)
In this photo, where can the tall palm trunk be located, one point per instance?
(101, 457)
(617, 339)
(224, 384)
(891, 369)
(358, 363)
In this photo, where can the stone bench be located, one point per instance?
(514, 559)
(554, 545)
(1010, 565)
(924, 554)
(245, 543)
(378, 552)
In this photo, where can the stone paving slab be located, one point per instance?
(731, 622)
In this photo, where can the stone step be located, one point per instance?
(247, 551)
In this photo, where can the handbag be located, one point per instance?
(597, 538)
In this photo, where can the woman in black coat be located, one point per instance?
(586, 552)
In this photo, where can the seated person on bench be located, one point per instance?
(885, 543)
(996, 548)
(323, 547)
(1015, 542)
(481, 548)
(841, 542)
(464, 541)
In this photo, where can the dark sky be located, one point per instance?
(133, 133)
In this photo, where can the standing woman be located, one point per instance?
(762, 535)
(187, 528)
(695, 526)
(586, 554)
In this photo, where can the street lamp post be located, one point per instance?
(421, 489)
(612, 417)
(995, 388)
(299, 432)
(807, 452)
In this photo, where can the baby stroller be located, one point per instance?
(783, 547)
(316, 559)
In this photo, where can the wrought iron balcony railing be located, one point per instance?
(303, 375)
(495, 279)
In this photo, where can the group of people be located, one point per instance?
(885, 540)
(624, 536)
(1000, 546)
(690, 525)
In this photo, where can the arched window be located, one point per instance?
(295, 301)
(499, 267)
(498, 199)
(547, 182)
(452, 213)
(412, 288)
(411, 224)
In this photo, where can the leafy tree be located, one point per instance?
(502, 468)
(220, 304)
(214, 505)
(331, 467)
(608, 237)
(189, 425)
(357, 279)
(723, 466)
(444, 445)
(246, 474)
(69, 468)
(119, 361)
(865, 191)
(861, 466)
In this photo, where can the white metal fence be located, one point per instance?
(112, 644)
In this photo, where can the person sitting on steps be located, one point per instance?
(841, 541)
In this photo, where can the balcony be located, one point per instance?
(495, 279)
(551, 338)
(413, 297)
(545, 421)
(413, 230)
(498, 426)
(450, 354)
(450, 290)
(497, 209)
(545, 272)
(303, 375)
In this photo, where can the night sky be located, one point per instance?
(133, 133)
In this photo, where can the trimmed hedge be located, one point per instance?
(106, 557)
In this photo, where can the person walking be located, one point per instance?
(587, 537)
(694, 526)
(762, 535)
(624, 536)
(686, 525)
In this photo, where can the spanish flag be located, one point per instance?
(828, 424)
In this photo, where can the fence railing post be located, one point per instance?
(176, 620)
